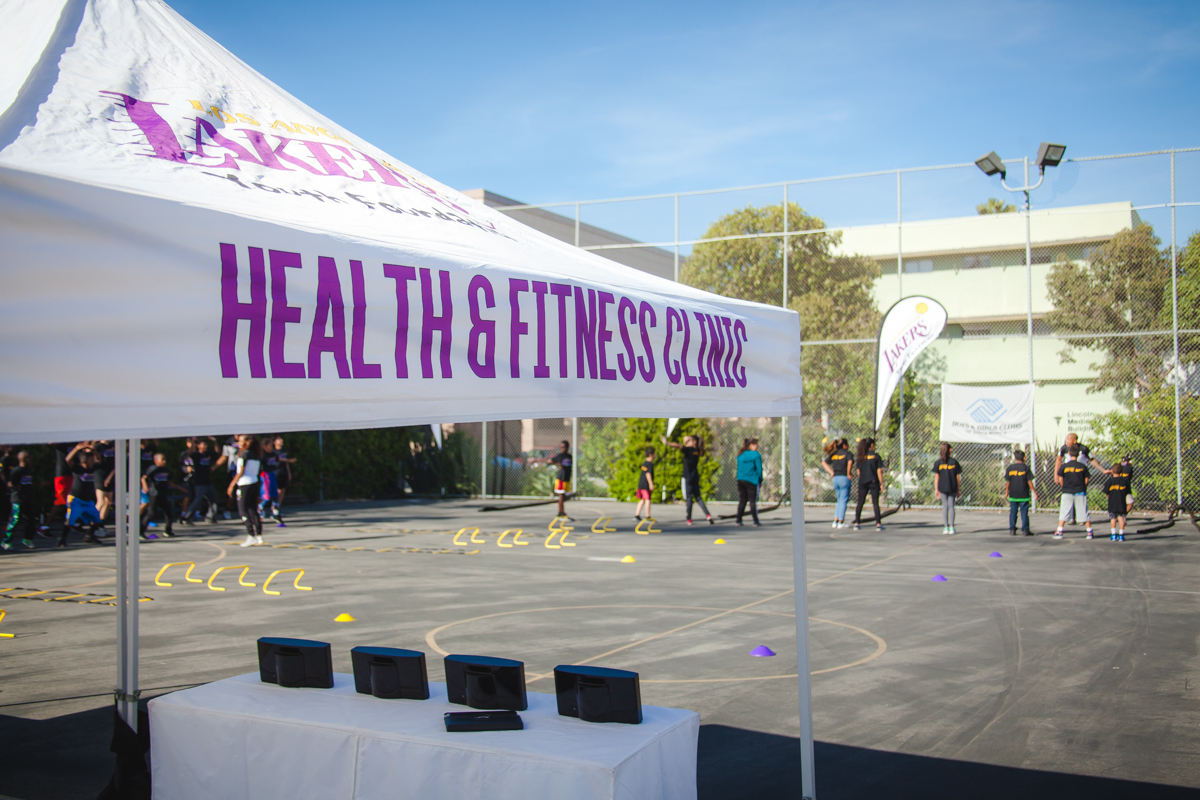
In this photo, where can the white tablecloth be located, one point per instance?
(241, 738)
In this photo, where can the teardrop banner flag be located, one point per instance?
(907, 328)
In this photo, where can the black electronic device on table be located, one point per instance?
(390, 673)
(295, 663)
(464, 721)
(598, 694)
(486, 682)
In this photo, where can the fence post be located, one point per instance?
(1175, 334)
(900, 284)
(783, 427)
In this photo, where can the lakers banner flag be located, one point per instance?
(907, 329)
(987, 414)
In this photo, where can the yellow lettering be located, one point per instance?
(196, 105)
(283, 125)
(213, 111)
(298, 128)
(249, 119)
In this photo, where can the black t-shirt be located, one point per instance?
(108, 457)
(839, 461)
(645, 474)
(20, 481)
(947, 471)
(868, 467)
(1118, 487)
(270, 461)
(187, 466)
(202, 468)
(84, 485)
(1074, 476)
(158, 478)
(691, 462)
(564, 462)
(1019, 480)
(284, 467)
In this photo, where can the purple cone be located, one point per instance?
(762, 651)
(938, 578)
(995, 555)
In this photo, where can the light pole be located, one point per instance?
(1049, 155)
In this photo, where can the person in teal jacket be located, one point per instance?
(749, 476)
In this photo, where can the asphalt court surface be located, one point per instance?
(1061, 660)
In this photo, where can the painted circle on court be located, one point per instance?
(880, 644)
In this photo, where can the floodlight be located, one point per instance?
(991, 164)
(1049, 155)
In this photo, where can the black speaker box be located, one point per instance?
(295, 663)
(390, 673)
(486, 682)
(598, 694)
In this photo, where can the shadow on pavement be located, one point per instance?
(736, 763)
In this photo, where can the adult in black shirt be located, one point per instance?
(156, 483)
(81, 501)
(562, 477)
(946, 472)
(1019, 490)
(839, 463)
(870, 480)
(104, 477)
(185, 469)
(24, 507)
(201, 462)
(692, 451)
(1073, 476)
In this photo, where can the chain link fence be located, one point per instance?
(1093, 295)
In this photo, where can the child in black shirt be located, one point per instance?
(156, 483)
(1019, 490)
(24, 512)
(1119, 489)
(645, 485)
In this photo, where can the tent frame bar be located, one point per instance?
(800, 577)
(128, 528)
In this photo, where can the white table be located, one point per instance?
(241, 738)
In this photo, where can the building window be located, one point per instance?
(977, 261)
(918, 265)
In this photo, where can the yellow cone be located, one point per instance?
(719, 541)
(628, 560)
(343, 618)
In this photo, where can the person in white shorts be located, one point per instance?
(1073, 476)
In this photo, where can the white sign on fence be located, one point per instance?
(987, 414)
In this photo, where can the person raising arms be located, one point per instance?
(692, 450)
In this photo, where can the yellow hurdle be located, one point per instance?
(562, 540)
(477, 541)
(550, 539)
(5, 635)
(517, 538)
(500, 541)
(241, 578)
(461, 532)
(295, 583)
(187, 576)
(601, 526)
(648, 522)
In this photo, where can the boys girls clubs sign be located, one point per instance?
(987, 414)
(907, 329)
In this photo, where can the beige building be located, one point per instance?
(975, 267)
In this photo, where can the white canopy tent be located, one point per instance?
(185, 248)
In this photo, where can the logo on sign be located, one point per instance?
(986, 410)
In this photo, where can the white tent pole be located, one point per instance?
(800, 576)
(128, 481)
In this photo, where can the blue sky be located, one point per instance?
(564, 101)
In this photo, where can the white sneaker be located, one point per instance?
(952, 530)
(249, 541)
(834, 526)
(258, 540)
(945, 531)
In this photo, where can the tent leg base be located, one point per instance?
(131, 775)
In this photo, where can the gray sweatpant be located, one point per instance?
(948, 510)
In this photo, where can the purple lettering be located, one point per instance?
(517, 328)
(626, 313)
(728, 349)
(700, 360)
(687, 340)
(716, 351)
(279, 153)
(481, 328)
(647, 367)
(541, 369)
(282, 314)
(332, 164)
(255, 312)
(156, 130)
(739, 336)
(402, 275)
(265, 153)
(358, 333)
(329, 302)
(562, 291)
(203, 127)
(432, 323)
(585, 332)
(604, 336)
(673, 370)
(385, 174)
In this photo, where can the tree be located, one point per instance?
(668, 469)
(1118, 291)
(834, 294)
(995, 205)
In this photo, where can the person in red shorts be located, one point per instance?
(645, 485)
(562, 478)
(63, 477)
